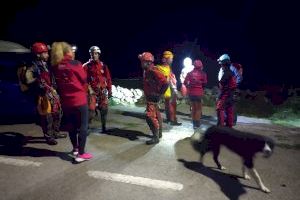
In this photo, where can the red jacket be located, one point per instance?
(98, 76)
(195, 81)
(71, 82)
(155, 84)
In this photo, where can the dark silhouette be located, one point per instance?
(129, 134)
(14, 144)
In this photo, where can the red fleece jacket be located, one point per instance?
(71, 82)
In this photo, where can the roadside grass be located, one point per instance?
(286, 114)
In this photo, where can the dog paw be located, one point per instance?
(222, 168)
(265, 189)
(247, 177)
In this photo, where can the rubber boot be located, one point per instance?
(160, 132)
(194, 124)
(154, 139)
(160, 129)
(103, 114)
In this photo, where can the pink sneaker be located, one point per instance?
(83, 157)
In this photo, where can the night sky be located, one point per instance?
(261, 35)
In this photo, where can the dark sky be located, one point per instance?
(259, 34)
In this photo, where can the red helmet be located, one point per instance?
(39, 47)
(146, 56)
(198, 64)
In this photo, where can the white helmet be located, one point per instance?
(95, 49)
(223, 59)
(187, 62)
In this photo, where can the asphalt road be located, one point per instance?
(124, 167)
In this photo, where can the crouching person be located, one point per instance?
(155, 84)
(72, 86)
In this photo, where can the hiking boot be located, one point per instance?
(154, 140)
(175, 123)
(51, 141)
(160, 134)
(83, 157)
(60, 135)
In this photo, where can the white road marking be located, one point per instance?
(147, 182)
(19, 162)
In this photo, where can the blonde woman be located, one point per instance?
(72, 87)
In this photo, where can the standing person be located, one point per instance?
(155, 84)
(237, 70)
(195, 82)
(187, 67)
(72, 87)
(99, 84)
(42, 85)
(227, 86)
(170, 95)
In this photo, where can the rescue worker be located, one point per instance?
(170, 95)
(72, 87)
(155, 84)
(99, 85)
(42, 85)
(237, 70)
(195, 82)
(227, 86)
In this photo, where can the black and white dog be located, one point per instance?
(245, 144)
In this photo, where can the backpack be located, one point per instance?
(26, 76)
(239, 68)
(21, 73)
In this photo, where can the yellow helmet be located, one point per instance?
(168, 54)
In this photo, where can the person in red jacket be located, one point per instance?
(99, 81)
(195, 82)
(155, 84)
(42, 85)
(225, 101)
(72, 88)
